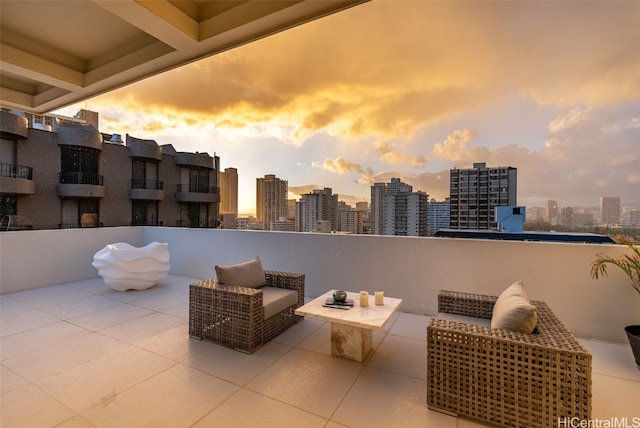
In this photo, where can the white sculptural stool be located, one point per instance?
(124, 267)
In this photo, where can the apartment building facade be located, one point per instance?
(397, 210)
(229, 191)
(316, 206)
(271, 200)
(63, 173)
(438, 215)
(609, 210)
(476, 192)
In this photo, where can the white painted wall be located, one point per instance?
(37, 258)
(413, 269)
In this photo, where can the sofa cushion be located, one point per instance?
(464, 319)
(276, 300)
(513, 310)
(247, 274)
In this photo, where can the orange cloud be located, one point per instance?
(342, 166)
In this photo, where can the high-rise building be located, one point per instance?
(352, 219)
(70, 175)
(315, 206)
(609, 210)
(229, 191)
(398, 210)
(551, 212)
(476, 192)
(566, 217)
(378, 191)
(271, 199)
(438, 215)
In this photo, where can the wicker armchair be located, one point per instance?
(502, 377)
(234, 316)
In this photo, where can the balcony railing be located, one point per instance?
(197, 188)
(81, 178)
(78, 225)
(147, 184)
(16, 171)
(198, 223)
(146, 223)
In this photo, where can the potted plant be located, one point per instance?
(630, 265)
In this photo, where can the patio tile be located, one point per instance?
(180, 310)
(161, 299)
(75, 422)
(265, 413)
(10, 381)
(234, 366)
(38, 338)
(307, 380)
(401, 355)
(615, 398)
(49, 296)
(382, 399)
(192, 395)
(128, 365)
(102, 379)
(61, 356)
(612, 359)
(110, 317)
(143, 328)
(20, 322)
(10, 306)
(76, 308)
(299, 332)
(174, 344)
(30, 407)
(410, 325)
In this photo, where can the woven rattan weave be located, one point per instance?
(233, 315)
(502, 377)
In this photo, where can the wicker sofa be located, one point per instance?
(233, 316)
(501, 377)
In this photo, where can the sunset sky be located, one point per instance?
(411, 89)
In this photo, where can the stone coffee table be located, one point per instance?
(351, 329)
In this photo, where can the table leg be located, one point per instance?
(350, 342)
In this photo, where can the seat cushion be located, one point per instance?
(276, 300)
(247, 274)
(464, 319)
(513, 310)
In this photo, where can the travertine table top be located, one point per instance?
(372, 316)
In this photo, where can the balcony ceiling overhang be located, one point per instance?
(56, 53)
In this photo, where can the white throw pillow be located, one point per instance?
(247, 274)
(513, 310)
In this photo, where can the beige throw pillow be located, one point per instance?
(247, 274)
(513, 310)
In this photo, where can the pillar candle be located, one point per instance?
(364, 299)
(379, 297)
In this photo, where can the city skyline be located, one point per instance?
(411, 90)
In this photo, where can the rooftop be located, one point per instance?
(80, 354)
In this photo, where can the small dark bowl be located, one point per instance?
(339, 296)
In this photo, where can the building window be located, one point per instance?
(194, 215)
(79, 165)
(144, 213)
(195, 180)
(8, 205)
(80, 213)
(144, 175)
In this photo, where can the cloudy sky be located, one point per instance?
(411, 89)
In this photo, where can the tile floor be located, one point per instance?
(81, 355)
